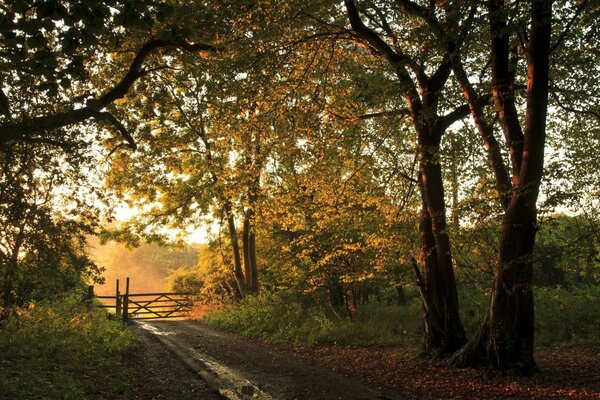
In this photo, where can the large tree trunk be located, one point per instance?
(505, 340)
(444, 333)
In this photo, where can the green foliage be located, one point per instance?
(287, 319)
(184, 280)
(46, 210)
(563, 316)
(567, 316)
(59, 350)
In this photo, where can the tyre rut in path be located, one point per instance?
(242, 369)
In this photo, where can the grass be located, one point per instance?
(562, 317)
(286, 319)
(59, 350)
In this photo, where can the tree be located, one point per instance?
(505, 339)
(204, 152)
(54, 61)
(421, 86)
(44, 219)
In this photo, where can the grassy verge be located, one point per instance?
(562, 317)
(59, 350)
(286, 319)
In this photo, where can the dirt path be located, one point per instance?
(237, 365)
(242, 369)
(157, 374)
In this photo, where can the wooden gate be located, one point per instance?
(138, 306)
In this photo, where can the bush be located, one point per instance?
(288, 319)
(562, 317)
(567, 316)
(59, 350)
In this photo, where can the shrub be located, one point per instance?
(289, 319)
(562, 317)
(59, 350)
(567, 316)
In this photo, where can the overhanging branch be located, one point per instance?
(21, 130)
(106, 116)
(403, 112)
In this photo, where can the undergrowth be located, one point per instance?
(285, 319)
(59, 350)
(562, 317)
(567, 316)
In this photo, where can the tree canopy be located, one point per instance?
(340, 148)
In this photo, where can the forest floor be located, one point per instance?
(330, 372)
(570, 372)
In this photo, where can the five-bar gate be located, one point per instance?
(138, 306)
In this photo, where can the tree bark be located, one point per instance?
(443, 333)
(238, 273)
(401, 295)
(506, 339)
(249, 246)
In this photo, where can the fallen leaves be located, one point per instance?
(566, 372)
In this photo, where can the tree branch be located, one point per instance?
(20, 130)
(403, 112)
(564, 33)
(4, 103)
(106, 116)
(397, 59)
(457, 114)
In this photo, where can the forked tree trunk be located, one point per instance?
(505, 340)
(249, 239)
(443, 330)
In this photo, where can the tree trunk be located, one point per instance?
(9, 295)
(444, 333)
(505, 340)
(238, 273)
(401, 295)
(349, 294)
(250, 264)
(246, 248)
(249, 246)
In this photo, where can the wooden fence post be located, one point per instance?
(117, 301)
(126, 302)
(90, 297)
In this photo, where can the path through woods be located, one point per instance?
(244, 368)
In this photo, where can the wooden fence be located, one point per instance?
(139, 306)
